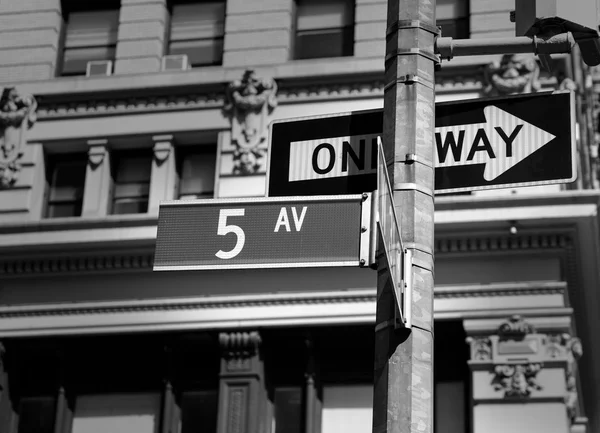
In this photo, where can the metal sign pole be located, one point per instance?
(403, 388)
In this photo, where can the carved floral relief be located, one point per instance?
(517, 380)
(17, 114)
(515, 73)
(250, 101)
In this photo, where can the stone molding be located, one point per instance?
(288, 94)
(357, 296)
(76, 263)
(54, 264)
(501, 242)
(134, 262)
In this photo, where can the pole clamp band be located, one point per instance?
(409, 79)
(412, 187)
(418, 247)
(413, 52)
(411, 24)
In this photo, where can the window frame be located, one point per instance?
(70, 7)
(117, 156)
(52, 160)
(347, 33)
(218, 40)
(181, 153)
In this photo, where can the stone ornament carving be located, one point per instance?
(481, 348)
(162, 148)
(517, 381)
(515, 73)
(238, 348)
(515, 328)
(17, 114)
(574, 353)
(96, 152)
(250, 101)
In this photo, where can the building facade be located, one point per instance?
(110, 107)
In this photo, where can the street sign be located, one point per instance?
(512, 141)
(264, 233)
(391, 241)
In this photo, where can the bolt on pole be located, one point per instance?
(403, 383)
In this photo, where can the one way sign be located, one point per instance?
(480, 144)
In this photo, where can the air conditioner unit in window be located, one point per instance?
(99, 68)
(175, 62)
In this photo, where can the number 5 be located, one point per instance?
(223, 229)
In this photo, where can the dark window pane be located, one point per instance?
(62, 210)
(66, 183)
(75, 59)
(288, 410)
(313, 44)
(125, 206)
(197, 174)
(131, 176)
(36, 414)
(131, 190)
(199, 411)
(133, 168)
(200, 52)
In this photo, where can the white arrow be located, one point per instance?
(501, 142)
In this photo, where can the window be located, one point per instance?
(288, 403)
(324, 28)
(196, 172)
(197, 30)
(36, 414)
(66, 179)
(90, 34)
(131, 181)
(453, 16)
(113, 383)
(347, 408)
(117, 413)
(198, 411)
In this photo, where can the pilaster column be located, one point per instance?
(141, 39)
(162, 183)
(96, 194)
(524, 380)
(257, 33)
(242, 393)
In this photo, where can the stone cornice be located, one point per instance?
(273, 300)
(216, 302)
(27, 266)
(109, 104)
(500, 289)
(486, 243)
(76, 263)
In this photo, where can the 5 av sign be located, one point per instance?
(264, 233)
(479, 144)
